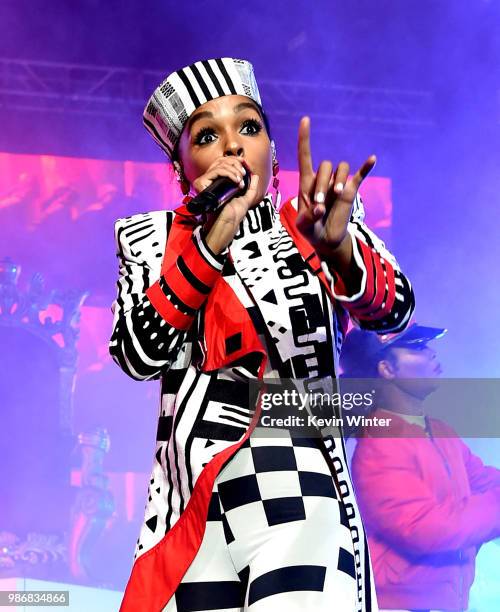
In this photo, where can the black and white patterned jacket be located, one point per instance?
(204, 325)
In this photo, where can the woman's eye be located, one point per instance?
(251, 127)
(204, 136)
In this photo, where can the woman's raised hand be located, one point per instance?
(325, 197)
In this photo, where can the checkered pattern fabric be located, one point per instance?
(277, 536)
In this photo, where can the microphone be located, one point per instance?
(220, 191)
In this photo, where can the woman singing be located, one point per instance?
(209, 302)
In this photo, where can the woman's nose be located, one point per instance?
(234, 148)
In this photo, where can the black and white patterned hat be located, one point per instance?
(183, 91)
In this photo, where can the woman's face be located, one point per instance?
(229, 125)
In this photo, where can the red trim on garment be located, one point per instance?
(226, 317)
(180, 243)
(384, 276)
(155, 578)
(173, 316)
(339, 284)
(374, 294)
(389, 295)
(180, 232)
(199, 265)
(183, 289)
(370, 292)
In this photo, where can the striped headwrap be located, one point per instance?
(183, 91)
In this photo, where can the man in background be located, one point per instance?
(427, 501)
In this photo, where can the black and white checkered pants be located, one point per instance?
(277, 538)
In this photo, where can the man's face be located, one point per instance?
(416, 362)
(415, 369)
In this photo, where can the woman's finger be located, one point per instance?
(207, 179)
(330, 197)
(364, 171)
(304, 154)
(341, 176)
(323, 177)
(249, 196)
(232, 163)
(229, 173)
(235, 163)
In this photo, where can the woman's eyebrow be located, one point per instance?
(243, 105)
(200, 115)
(208, 115)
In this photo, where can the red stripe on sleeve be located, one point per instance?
(166, 309)
(199, 265)
(183, 289)
(391, 291)
(384, 300)
(370, 288)
(379, 286)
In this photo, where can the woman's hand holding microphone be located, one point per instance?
(222, 225)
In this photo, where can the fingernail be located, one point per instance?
(242, 183)
(244, 170)
(319, 197)
(339, 187)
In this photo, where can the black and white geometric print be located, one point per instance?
(262, 238)
(277, 535)
(208, 415)
(404, 303)
(291, 300)
(365, 587)
(202, 413)
(183, 91)
(141, 343)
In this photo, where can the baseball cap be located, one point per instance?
(362, 350)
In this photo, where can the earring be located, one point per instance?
(180, 177)
(276, 166)
(179, 174)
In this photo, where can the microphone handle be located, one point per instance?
(218, 193)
